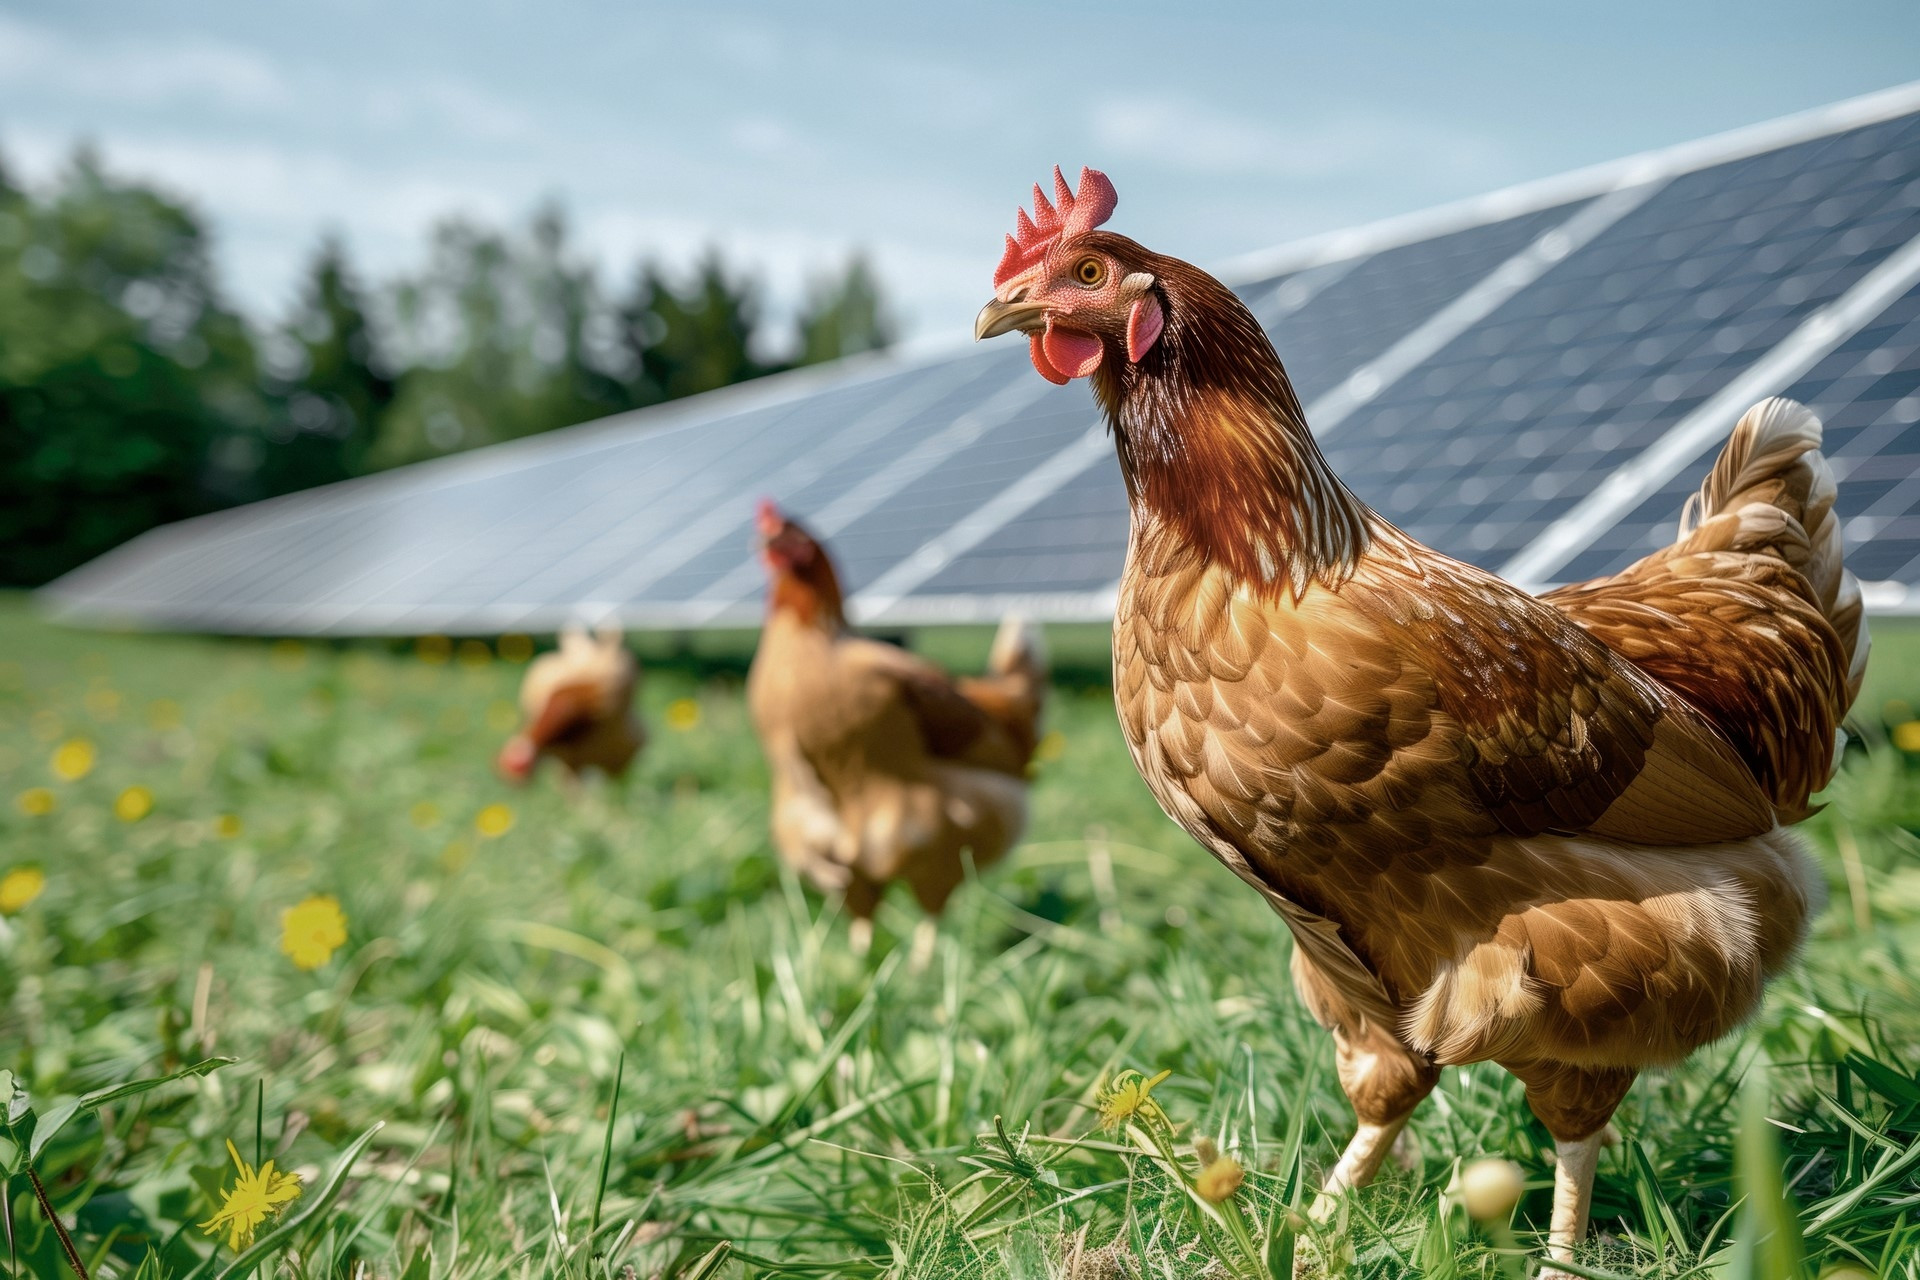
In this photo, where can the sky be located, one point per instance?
(793, 135)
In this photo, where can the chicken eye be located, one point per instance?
(1090, 271)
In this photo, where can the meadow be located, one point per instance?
(597, 1032)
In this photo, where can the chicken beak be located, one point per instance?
(999, 317)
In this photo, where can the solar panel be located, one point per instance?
(1478, 449)
(1867, 392)
(1532, 381)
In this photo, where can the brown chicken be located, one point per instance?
(884, 767)
(576, 705)
(1542, 832)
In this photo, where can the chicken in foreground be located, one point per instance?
(576, 705)
(884, 767)
(1544, 832)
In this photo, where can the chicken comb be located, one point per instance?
(767, 518)
(1072, 213)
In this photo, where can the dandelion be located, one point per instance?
(35, 802)
(493, 821)
(73, 760)
(425, 815)
(312, 930)
(516, 648)
(255, 1197)
(289, 655)
(1220, 1176)
(1053, 745)
(683, 714)
(1128, 1095)
(227, 826)
(474, 653)
(433, 649)
(1906, 736)
(455, 857)
(19, 887)
(1491, 1188)
(133, 804)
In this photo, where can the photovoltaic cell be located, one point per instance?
(1867, 392)
(1479, 449)
(1384, 297)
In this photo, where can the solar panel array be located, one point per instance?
(1532, 382)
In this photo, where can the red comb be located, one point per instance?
(1071, 214)
(767, 518)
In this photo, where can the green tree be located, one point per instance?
(504, 336)
(128, 390)
(843, 317)
(692, 339)
(331, 381)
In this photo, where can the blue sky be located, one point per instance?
(791, 134)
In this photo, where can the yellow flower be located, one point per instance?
(134, 804)
(312, 930)
(103, 704)
(494, 820)
(1128, 1095)
(227, 826)
(682, 714)
(455, 857)
(1053, 745)
(1491, 1188)
(1907, 736)
(1220, 1176)
(474, 653)
(255, 1197)
(433, 649)
(289, 655)
(516, 648)
(35, 802)
(424, 814)
(19, 887)
(73, 760)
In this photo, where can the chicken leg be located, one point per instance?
(1575, 1103)
(1385, 1081)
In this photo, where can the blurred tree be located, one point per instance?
(503, 337)
(330, 381)
(843, 317)
(685, 341)
(132, 395)
(128, 393)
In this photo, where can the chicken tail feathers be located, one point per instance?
(1771, 491)
(1018, 649)
(1015, 685)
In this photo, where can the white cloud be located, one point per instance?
(146, 72)
(1190, 136)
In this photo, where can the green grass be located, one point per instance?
(815, 1113)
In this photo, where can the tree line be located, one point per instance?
(133, 393)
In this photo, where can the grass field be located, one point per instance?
(509, 954)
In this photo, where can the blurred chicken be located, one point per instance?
(576, 705)
(1542, 832)
(884, 767)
